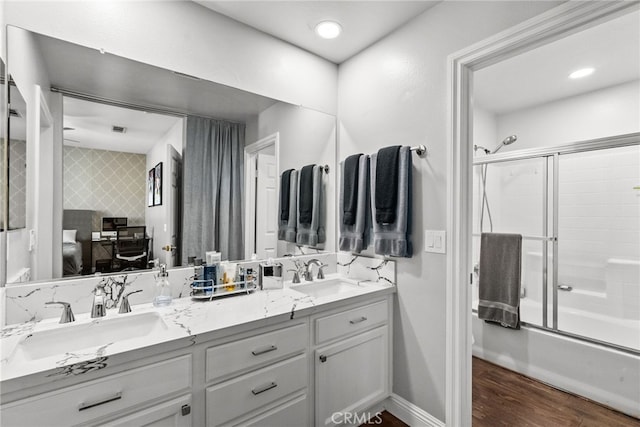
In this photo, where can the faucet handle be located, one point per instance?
(67, 314)
(296, 276)
(125, 307)
(321, 272)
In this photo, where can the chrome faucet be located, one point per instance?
(98, 308)
(125, 307)
(307, 274)
(67, 314)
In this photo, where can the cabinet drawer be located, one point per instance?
(350, 321)
(230, 399)
(113, 394)
(291, 414)
(245, 354)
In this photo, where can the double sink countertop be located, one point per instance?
(33, 353)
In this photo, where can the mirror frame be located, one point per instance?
(556, 23)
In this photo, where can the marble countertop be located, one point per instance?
(184, 322)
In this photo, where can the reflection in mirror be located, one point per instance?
(110, 176)
(3, 171)
(17, 159)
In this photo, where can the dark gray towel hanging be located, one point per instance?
(386, 191)
(284, 194)
(350, 189)
(305, 209)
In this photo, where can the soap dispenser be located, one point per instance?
(163, 289)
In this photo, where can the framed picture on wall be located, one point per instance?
(150, 184)
(157, 185)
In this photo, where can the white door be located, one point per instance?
(266, 206)
(174, 213)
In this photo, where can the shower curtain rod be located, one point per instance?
(137, 107)
(542, 238)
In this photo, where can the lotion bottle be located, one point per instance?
(163, 288)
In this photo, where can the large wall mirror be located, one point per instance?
(109, 147)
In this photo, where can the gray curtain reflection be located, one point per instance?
(213, 189)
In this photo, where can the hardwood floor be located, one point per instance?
(386, 420)
(505, 398)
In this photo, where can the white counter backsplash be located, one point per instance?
(366, 269)
(26, 302)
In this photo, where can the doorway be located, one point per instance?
(555, 24)
(261, 197)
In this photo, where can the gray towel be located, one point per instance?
(393, 239)
(353, 238)
(499, 284)
(313, 234)
(287, 229)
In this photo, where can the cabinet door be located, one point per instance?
(351, 376)
(174, 413)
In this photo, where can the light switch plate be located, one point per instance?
(435, 241)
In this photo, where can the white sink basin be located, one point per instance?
(323, 289)
(72, 337)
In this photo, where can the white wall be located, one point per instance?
(395, 92)
(306, 137)
(156, 216)
(611, 111)
(189, 38)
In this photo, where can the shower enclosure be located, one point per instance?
(577, 207)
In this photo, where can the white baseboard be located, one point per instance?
(410, 413)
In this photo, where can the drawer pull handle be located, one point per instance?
(323, 358)
(262, 389)
(264, 350)
(362, 319)
(84, 406)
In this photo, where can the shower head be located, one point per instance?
(507, 141)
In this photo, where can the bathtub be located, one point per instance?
(598, 372)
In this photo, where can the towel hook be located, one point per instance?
(325, 168)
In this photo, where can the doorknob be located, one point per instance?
(169, 248)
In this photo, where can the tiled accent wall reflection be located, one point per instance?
(17, 183)
(109, 182)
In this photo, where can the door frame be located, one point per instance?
(556, 23)
(250, 157)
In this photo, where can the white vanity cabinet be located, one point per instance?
(147, 389)
(260, 380)
(352, 361)
(280, 372)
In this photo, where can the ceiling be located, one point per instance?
(85, 70)
(363, 22)
(89, 125)
(529, 79)
(541, 75)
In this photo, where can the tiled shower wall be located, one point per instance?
(109, 182)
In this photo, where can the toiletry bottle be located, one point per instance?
(163, 289)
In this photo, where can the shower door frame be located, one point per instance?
(552, 155)
(561, 21)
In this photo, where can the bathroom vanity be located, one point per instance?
(293, 356)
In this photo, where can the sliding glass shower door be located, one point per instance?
(578, 210)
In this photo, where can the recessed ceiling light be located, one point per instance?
(583, 72)
(328, 29)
